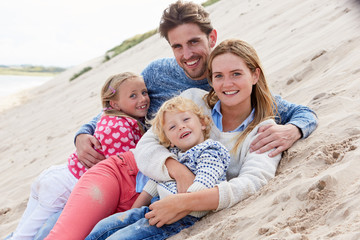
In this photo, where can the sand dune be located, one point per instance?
(310, 51)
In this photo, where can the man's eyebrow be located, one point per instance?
(175, 45)
(194, 39)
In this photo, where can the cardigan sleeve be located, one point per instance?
(150, 157)
(256, 171)
(151, 188)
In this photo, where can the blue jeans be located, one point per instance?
(46, 228)
(133, 225)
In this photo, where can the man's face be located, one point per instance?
(191, 48)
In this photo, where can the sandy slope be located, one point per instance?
(310, 50)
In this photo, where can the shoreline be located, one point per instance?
(20, 73)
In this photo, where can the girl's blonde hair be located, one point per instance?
(110, 92)
(177, 104)
(261, 98)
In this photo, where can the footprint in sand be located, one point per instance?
(306, 71)
(335, 152)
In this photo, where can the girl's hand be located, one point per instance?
(168, 210)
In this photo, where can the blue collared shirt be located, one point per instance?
(217, 118)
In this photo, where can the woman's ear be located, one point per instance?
(256, 75)
(114, 105)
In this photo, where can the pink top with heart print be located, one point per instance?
(116, 135)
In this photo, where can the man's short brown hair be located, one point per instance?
(179, 13)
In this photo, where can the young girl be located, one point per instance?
(181, 124)
(125, 101)
(239, 103)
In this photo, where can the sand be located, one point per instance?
(310, 51)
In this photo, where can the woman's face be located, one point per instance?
(232, 80)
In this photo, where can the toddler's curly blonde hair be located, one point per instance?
(177, 104)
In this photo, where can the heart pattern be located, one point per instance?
(115, 134)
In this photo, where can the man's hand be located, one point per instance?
(87, 155)
(280, 137)
(182, 175)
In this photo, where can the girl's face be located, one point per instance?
(183, 129)
(232, 81)
(133, 98)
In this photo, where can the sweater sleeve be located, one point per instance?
(150, 157)
(151, 188)
(256, 171)
(211, 167)
(88, 128)
(301, 116)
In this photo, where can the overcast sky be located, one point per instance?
(68, 32)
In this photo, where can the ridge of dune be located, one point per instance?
(311, 55)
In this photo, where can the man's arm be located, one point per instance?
(85, 143)
(294, 122)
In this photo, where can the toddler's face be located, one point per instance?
(183, 129)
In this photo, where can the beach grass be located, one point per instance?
(128, 43)
(84, 70)
(209, 2)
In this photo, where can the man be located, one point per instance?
(191, 39)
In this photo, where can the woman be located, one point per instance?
(239, 103)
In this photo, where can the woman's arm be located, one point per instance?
(256, 171)
(174, 207)
(150, 157)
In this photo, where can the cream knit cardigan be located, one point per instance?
(246, 174)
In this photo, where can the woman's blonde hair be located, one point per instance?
(110, 92)
(177, 104)
(261, 98)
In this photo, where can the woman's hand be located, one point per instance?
(168, 210)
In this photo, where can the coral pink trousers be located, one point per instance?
(105, 189)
